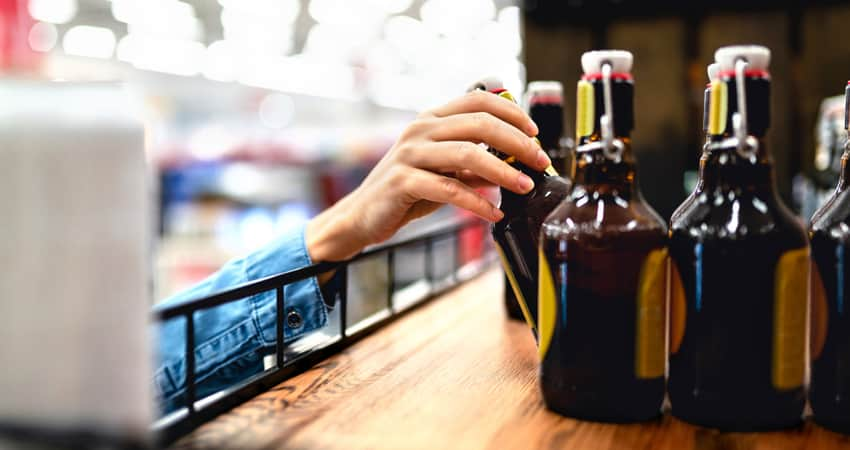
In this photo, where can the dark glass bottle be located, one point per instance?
(738, 278)
(516, 235)
(545, 107)
(829, 390)
(603, 267)
(713, 70)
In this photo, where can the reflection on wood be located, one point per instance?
(453, 374)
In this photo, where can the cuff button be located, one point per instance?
(293, 319)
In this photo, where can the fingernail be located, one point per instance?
(543, 159)
(497, 214)
(525, 183)
(532, 128)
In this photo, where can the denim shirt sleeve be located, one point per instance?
(231, 339)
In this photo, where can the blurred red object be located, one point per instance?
(473, 240)
(15, 24)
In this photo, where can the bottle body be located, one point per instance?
(602, 292)
(738, 300)
(829, 389)
(517, 237)
(512, 307)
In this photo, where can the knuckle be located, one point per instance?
(466, 155)
(482, 204)
(406, 154)
(416, 127)
(481, 122)
(508, 174)
(450, 187)
(478, 98)
(397, 177)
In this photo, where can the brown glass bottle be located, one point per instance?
(602, 272)
(829, 389)
(516, 235)
(739, 263)
(712, 76)
(546, 108)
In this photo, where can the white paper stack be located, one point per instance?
(75, 222)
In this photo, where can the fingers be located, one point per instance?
(484, 127)
(424, 185)
(481, 101)
(472, 180)
(458, 156)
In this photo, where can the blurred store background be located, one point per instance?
(260, 113)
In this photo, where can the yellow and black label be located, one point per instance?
(717, 108)
(515, 286)
(547, 306)
(789, 319)
(678, 307)
(585, 103)
(650, 318)
(819, 318)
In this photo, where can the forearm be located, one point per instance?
(331, 236)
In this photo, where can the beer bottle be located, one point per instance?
(712, 70)
(516, 235)
(603, 266)
(739, 269)
(546, 108)
(829, 391)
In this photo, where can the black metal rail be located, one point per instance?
(195, 412)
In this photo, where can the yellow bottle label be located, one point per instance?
(717, 108)
(585, 102)
(549, 170)
(507, 95)
(789, 319)
(819, 318)
(547, 306)
(678, 307)
(649, 339)
(515, 286)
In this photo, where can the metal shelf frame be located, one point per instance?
(195, 411)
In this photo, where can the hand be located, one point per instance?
(437, 160)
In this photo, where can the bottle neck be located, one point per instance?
(549, 117)
(723, 166)
(622, 103)
(757, 91)
(594, 171)
(727, 163)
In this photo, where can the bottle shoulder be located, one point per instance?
(735, 215)
(593, 213)
(833, 217)
(548, 190)
(533, 208)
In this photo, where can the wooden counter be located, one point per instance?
(451, 374)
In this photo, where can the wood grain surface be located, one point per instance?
(452, 374)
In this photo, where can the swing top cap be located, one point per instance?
(620, 60)
(757, 57)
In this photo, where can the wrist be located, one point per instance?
(329, 236)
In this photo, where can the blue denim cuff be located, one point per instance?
(232, 338)
(304, 309)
